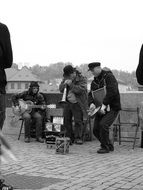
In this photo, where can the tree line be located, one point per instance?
(55, 71)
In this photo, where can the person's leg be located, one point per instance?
(104, 125)
(78, 119)
(68, 122)
(38, 124)
(2, 110)
(27, 126)
(96, 127)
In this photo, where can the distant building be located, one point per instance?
(19, 80)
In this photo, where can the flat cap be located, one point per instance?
(92, 65)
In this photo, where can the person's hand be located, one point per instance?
(92, 107)
(43, 107)
(102, 109)
(68, 82)
(17, 108)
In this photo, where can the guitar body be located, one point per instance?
(93, 112)
(24, 106)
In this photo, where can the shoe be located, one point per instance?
(27, 140)
(111, 147)
(102, 151)
(79, 141)
(4, 186)
(40, 140)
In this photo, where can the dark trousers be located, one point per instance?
(2, 110)
(35, 118)
(101, 127)
(73, 111)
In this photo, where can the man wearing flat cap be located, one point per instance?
(109, 105)
(76, 103)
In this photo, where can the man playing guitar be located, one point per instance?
(33, 95)
(108, 105)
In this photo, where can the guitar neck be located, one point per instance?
(35, 106)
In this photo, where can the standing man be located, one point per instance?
(139, 75)
(6, 59)
(139, 70)
(36, 114)
(109, 108)
(77, 104)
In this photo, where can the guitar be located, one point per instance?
(26, 106)
(98, 96)
(91, 113)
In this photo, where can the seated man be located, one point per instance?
(33, 95)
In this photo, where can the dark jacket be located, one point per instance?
(112, 97)
(79, 88)
(37, 99)
(139, 70)
(6, 57)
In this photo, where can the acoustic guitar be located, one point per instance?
(26, 106)
(91, 113)
(98, 96)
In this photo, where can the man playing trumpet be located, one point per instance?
(76, 103)
(109, 107)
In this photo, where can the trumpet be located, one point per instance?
(64, 96)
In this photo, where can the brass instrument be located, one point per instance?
(63, 101)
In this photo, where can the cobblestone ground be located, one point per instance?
(81, 169)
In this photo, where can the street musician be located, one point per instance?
(76, 103)
(36, 115)
(109, 105)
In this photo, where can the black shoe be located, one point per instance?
(1, 182)
(27, 140)
(111, 147)
(102, 151)
(40, 140)
(4, 186)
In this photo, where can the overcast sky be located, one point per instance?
(77, 31)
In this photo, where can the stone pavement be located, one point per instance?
(81, 169)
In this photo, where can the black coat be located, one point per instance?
(112, 98)
(6, 56)
(139, 70)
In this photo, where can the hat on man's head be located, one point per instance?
(68, 69)
(92, 65)
(34, 84)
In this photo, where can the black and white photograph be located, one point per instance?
(71, 95)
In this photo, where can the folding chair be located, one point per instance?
(128, 117)
(32, 134)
